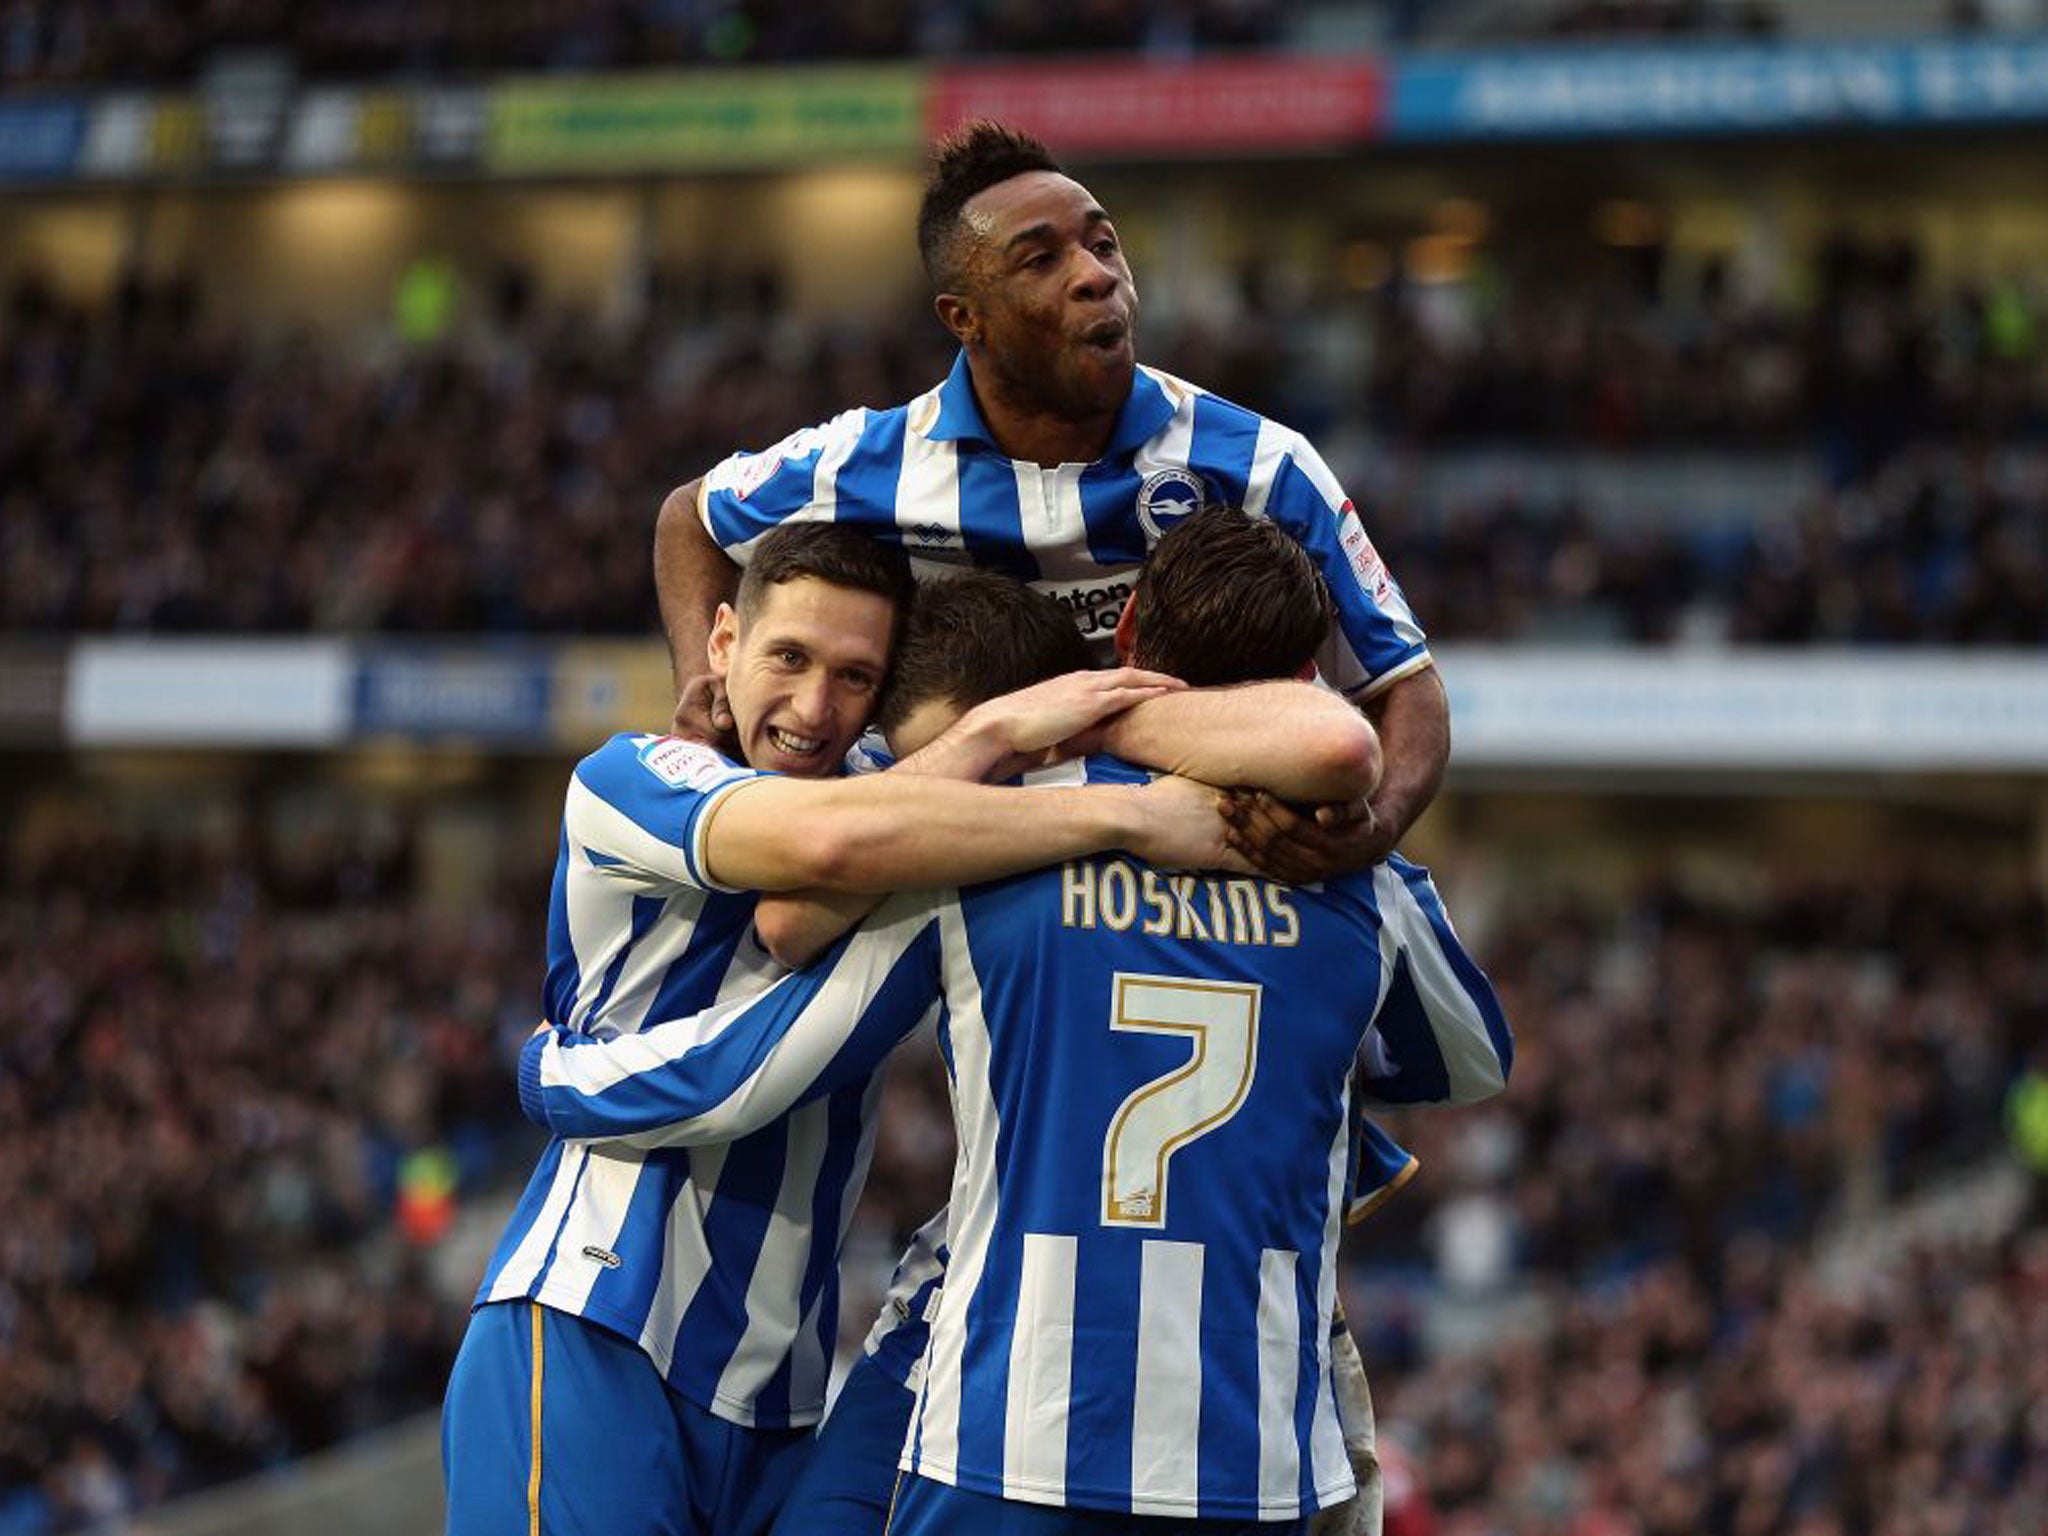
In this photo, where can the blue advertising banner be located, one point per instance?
(40, 138)
(428, 690)
(1581, 92)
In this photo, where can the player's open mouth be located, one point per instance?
(1106, 335)
(793, 746)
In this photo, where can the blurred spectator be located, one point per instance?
(2026, 1116)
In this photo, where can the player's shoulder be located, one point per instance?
(645, 762)
(1189, 398)
(748, 470)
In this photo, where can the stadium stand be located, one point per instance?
(135, 43)
(217, 1213)
(164, 474)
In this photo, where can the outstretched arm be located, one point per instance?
(1294, 739)
(725, 1072)
(897, 831)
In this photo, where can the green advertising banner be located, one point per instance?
(705, 120)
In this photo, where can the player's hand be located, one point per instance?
(1304, 849)
(1059, 718)
(1363, 1514)
(702, 714)
(1182, 827)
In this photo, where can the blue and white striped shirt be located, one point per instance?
(929, 476)
(721, 1262)
(902, 1328)
(1152, 1079)
(896, 1343)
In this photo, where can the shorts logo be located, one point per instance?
(1366, 563)
(684, 764)
(1167, 496)
(602, 1256)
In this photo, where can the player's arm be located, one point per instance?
(1377, 656)
(692, 576)
(1414, 722)
(1441, 1038)
(798, 926)
(1413, 718)
(998, 739)
(1296, 740)
(897, 831)
(732, 1069)
(1289, 737)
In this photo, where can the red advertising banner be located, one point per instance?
(1247, 105)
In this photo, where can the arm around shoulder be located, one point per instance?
(1292, 739)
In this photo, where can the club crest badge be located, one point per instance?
(1167, 496)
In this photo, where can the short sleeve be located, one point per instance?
(1376, 640)
(639, 808)
(750, 494)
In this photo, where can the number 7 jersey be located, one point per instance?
(1151, 1079)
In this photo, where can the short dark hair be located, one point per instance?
(1227, 597)
(830, 552)
(974, 636)
(968, 161)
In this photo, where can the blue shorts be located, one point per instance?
(559, 1426)
(847, 1484)
(927, 1508)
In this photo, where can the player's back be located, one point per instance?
(1151, 1083)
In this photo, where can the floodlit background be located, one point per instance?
(1688, 357)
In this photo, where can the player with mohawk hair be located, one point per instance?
(1050, 454)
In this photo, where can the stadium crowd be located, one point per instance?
(1560, 349)
(134, 41)
(215, 1251)
(160, 473)
(238, 1091)
(1764, 1403)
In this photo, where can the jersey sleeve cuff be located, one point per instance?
(1417, 660)
(1363, 1207)
(696, 850)
(529, 1077)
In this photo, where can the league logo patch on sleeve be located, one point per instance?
(751, 471)
(754, 471)
(1167, 496)
(684, 764)
(1366, 564)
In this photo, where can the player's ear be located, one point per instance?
(725, 636)
(1306, 672)
(960, 316)
(1127, 631)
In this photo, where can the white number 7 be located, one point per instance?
(1164, 1115)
